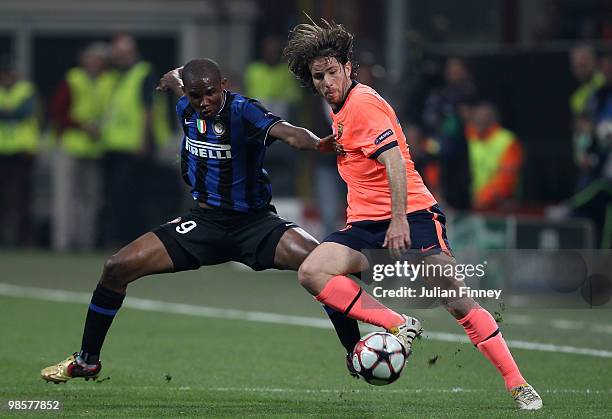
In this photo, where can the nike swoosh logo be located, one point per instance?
(425, 249)
(189, 122)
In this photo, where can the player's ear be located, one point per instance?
(348, 69)
(224, 82)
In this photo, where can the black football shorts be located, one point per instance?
(211, 236)
(427, 233)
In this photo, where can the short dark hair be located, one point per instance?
(201, 68)
(309, 41)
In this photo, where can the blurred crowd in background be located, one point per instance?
(89, 160)
(104, 122)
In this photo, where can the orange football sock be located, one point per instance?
(482, 330)
(344, 295)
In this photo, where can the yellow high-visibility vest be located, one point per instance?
(18, 136)
(486, 156)
(89, 98)
(123, 128)
(271, 82)
(579, 99)
(124, 124)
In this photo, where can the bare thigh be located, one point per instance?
(293, 248)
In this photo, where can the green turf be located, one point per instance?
(169, 365)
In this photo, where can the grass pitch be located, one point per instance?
(160, 364)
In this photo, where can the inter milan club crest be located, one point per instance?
(219, 128)
(201, 126)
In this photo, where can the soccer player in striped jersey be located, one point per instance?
(222, 153)
(388, 204)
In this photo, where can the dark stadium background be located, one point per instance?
(529, 81)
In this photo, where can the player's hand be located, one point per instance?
(171, 81)
(339, 148)
(327, 144)
(397, 239)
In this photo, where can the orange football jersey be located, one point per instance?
(366, 126)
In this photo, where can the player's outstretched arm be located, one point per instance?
(301, 138)
(172, 81)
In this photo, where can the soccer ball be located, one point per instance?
(379, 358)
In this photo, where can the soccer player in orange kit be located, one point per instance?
(388, 205)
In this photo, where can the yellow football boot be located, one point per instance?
(68, 369)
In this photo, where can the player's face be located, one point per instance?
(331, 79)
(205, 95)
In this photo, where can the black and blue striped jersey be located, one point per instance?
(222, 156)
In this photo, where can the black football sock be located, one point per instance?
(102, 309)
(346, 328)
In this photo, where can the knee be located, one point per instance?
(307, 274)
(115, 273)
